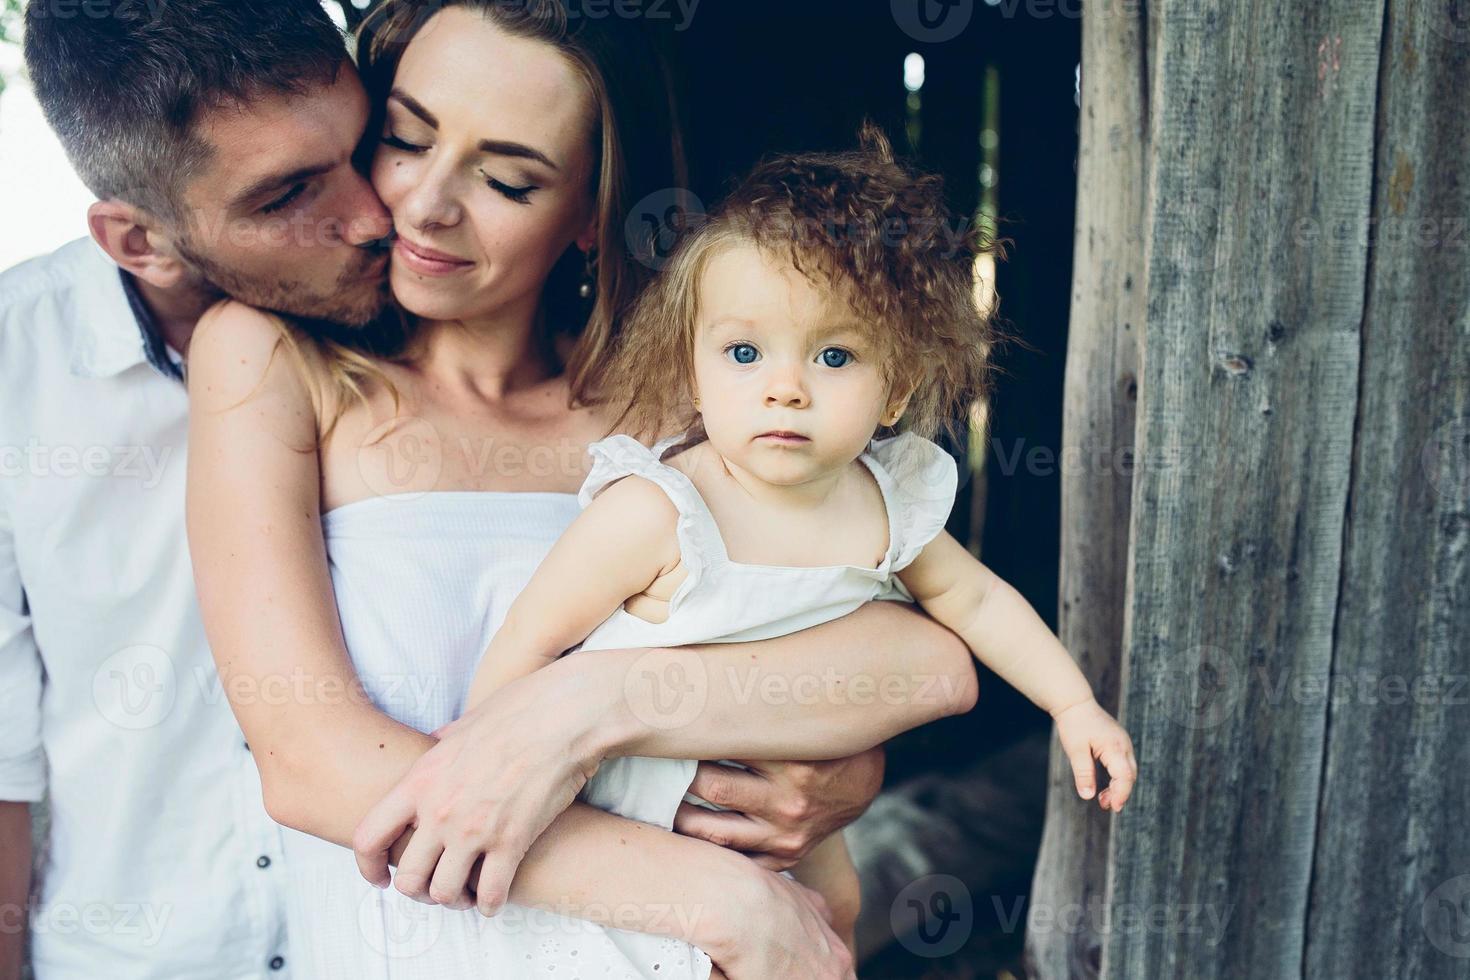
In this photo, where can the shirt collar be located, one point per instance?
(116, 330)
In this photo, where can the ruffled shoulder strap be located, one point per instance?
(921, 487)
(620, 455)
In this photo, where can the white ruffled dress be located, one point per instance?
(724, 601)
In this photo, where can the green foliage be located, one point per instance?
(10, 17)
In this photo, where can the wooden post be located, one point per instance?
(1107, 317)
(1391, 878)
(1293, 658)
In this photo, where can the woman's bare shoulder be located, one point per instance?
(238, 351)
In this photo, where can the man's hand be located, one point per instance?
(778, 811)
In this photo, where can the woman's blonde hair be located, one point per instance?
(858, 221)
(626, 74)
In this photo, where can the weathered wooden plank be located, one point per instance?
(1107, 316)
(1262, 116)
(1391, 881)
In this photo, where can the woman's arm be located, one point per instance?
(326, 755)
(823, 693)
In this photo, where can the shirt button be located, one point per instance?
(277, 962)
(262, 862)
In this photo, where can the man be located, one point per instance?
(161, 860)
(219, 137)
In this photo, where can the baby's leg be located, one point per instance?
(829, 870)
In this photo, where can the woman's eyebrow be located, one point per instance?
(414, 106)
(504, 148)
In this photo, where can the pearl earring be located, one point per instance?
(589, 275)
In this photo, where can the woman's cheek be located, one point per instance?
(390, 174)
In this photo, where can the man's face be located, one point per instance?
(279, 218)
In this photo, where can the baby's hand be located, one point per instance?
(1087, 732)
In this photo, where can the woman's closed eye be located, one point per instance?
(518, 194)
(401, 144)
(521, 195)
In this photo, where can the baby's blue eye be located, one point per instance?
(841, 359)
(744, 353)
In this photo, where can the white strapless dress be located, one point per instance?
(422, 582)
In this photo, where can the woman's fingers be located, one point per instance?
(448, 887)
(493, 889)
(378, 831)
(416, 866)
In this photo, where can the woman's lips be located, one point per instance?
(427, 261)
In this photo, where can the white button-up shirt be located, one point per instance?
(161, 860)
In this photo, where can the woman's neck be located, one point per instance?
(494, 357)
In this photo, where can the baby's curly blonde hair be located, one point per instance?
(855, 220)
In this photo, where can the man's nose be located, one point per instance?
(370, 220)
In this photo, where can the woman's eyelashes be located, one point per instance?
(398, 144)
(746, 353)
(520, 195)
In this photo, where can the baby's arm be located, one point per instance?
(616, 548)
(1007, 635)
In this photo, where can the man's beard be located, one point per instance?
(355, 301)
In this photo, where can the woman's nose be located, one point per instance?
(432, 203)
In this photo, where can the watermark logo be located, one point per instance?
(1446, 917)
(933, 916)
(1450, 19)
(667, 689)
(136, 687)
(1211, 681)
(933, 21)
(1446, 460)
(401, 458)
(396, 927)
(657, 223)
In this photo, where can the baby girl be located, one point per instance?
(826, 301)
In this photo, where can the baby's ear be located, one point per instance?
(898, 404)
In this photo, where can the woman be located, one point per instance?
(392, 506)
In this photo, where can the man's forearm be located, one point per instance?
(15, 885)
(824, 693)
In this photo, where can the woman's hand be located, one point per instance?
(1087, 732)
(498, 777)
(778, 928)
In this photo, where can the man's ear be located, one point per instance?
(132, 238)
